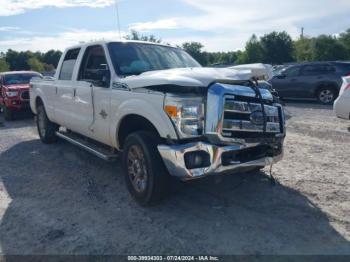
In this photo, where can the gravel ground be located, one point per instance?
(58, 199)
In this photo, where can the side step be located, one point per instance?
(98, 150)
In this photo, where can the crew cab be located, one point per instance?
(14, 91)
(157, 107)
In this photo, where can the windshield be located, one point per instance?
(18, 79)
(137, 58)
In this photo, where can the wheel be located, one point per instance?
(326, 95)
(46, 128)
(145, 174)
(8, 113)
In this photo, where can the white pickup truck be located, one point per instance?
(167, 115)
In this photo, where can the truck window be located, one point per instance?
(137, 58)
(68, 64)
(93, 65)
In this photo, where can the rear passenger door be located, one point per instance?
(65, 89)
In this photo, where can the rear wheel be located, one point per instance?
(46, 128)
(326, 95)
(8, 113)
(145, 174)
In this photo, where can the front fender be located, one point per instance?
(147, 106)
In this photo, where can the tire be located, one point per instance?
(145, 174)
(326, 95)
(46, 128)
(8, 114)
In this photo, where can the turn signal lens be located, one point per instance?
(171, 110)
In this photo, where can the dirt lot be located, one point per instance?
(58, 199)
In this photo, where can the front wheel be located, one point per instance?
(326, 95)
(145, 174)
(46, 128)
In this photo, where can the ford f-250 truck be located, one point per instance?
(162, 110)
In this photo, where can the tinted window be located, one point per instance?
(18, 79)
(292, 71)
(68, 64)
(343, 68)
(317, 69)
(136, 58)
(94, 63)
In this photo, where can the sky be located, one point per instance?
(220, 25)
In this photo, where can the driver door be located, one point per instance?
(288, 83)
(92, 98)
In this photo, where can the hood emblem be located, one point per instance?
(257, 118)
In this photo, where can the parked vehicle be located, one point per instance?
(321, 80)
(162, 110)
(14, 91)
(342, 104)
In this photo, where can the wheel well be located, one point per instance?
(329, 85)
(38, 101)
(133, 123)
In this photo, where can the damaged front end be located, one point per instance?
(243, 128)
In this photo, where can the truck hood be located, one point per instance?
(186, 77)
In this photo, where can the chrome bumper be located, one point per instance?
(174, 159)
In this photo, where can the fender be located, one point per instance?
(38, 93)
(153, 112)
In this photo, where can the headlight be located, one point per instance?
(11, 93)
(187, 114)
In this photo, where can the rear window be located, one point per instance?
(18, 79)
(68, 64)
(318, 69)
(343, 68)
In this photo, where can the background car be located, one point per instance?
(14, 91)
(342, 104)
(319, 80)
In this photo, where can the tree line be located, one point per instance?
(26, 60)
(273, 48)
(278, 48)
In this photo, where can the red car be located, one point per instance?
(14, 91)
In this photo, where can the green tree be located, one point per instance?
(4, 66)
(253, 52)
(35, 64)
(52, 57)
(326, 48)
(277, 48)
(344, 39)
(134, 35)
(195, 50)
(303, 49)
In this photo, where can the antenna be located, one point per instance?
(302, 32)
(118, 20)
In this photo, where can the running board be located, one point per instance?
(90, 147)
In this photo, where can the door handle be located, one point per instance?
(74, 92)
(293, 80)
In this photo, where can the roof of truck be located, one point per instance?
(115, 41)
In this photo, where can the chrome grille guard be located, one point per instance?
(242, 102)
